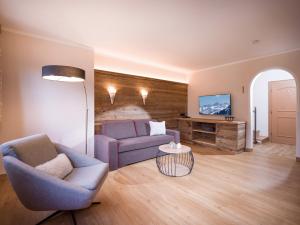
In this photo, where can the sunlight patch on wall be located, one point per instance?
(124, 112)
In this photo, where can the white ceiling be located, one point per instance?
(187, 34)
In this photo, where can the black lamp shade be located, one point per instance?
(63, 73)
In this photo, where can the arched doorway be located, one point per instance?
(266, 120)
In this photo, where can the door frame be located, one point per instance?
(251, 120)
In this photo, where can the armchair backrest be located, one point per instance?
(32, 150)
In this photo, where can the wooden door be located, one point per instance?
(282, 111)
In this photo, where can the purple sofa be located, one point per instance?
(123, 142)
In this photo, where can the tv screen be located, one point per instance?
(215, 105)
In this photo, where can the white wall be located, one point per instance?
(33, 105)
(260, 96)
(232, 78)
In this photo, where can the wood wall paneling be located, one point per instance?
(1, 75)
(166, 99)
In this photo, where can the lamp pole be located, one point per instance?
(86, 118)
(69, 74)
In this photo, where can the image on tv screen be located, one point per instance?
(215, 105)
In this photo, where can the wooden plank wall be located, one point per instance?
(1, 89)
(166, 99)
(1, 94)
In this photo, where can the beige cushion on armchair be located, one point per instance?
(59, 167)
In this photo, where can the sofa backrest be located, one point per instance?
(119, 129)
(142, 127)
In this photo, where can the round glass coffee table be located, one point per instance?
(175, 162)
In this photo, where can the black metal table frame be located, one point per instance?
(167, 162)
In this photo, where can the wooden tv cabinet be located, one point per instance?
(222, 134)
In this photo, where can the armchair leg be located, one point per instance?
(49, 217)
(73, 218)
(58, 212)
(96, 203)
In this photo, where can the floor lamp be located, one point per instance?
(68, 74)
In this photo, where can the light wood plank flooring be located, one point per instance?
(260, 187)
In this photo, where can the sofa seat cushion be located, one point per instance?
(88, 177)
(119, 129)
(130, 144)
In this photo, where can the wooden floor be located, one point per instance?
(260, 187)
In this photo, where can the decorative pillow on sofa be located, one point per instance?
(157, 128)
(59, 167)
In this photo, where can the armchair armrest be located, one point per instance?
(106, 149)
(78, 160)
(175, 134)
(40, 191)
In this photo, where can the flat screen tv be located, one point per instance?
(215, 105)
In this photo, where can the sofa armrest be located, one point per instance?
(175, 134)
(106, 149)
(78, 160)
(40, 191)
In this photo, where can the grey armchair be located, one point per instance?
(39, 191)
